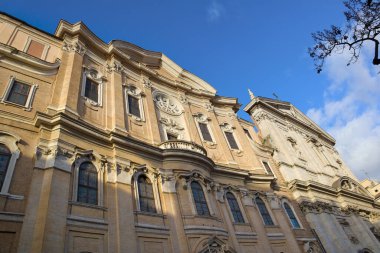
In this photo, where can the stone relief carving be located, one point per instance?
(209, 107)
(114, 66)
(183, 99)
(173, 127)
(74, 47)
(167, 104)
(147, 83)
(216, 245)
(311, 247)
(226, 127)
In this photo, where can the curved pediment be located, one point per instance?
(164, 66)
(346, 183)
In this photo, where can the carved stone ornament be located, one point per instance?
(183, 99)
(168, 180)
(147, 83)
(231, 115)
(209, 107)
(199, 117)
(195, 175)
(311, 247)
(216, 245)
(114, 66)
(74, 47)
(167, 104)
(226, 127)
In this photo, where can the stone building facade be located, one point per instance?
(344, 212)
(114, 148)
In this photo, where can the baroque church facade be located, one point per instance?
(114, 148)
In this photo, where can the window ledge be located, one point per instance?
(76, 203)
(271, 226)
(6, 102)
(150, 214)
(301, 229)
(211, 217)
(241, 223)
(11, 196)
(91, 103)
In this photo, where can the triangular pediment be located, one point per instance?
(295, 115)
(349, 184)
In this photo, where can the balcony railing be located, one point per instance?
(183, 145)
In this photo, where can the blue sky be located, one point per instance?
(235, 45)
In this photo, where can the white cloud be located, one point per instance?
(351, 112)
(215, 11)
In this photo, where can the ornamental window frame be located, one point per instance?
(267, 210)
(29, 99)
(227, 128)
(157, 199)
(93, 75)
(195, 210)
(203, 119)
(285, 201)
(239, 205)
(132, 91)
(99, 169)
(10, 141)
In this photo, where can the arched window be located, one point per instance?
(146, 196)
(199, 199)
(234, 207)
(292, 217)
(88, 184)
(264, 212)
(5, 157)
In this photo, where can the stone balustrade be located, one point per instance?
(183, 145)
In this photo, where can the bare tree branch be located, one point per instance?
(363, 25)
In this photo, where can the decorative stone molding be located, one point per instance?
(10, 141)
(173, 127)
(152, 174)
(197, 176)
(115, 67)
(209, 107)
(133, 91)
(183, 99)
(96, 76)
(216, 245)
(167, 104)
(311, 247)
(227, 127)
(232, 115)
(147, 83)
(54, 156)
(74, 47)
(183, 145)
(168, 181)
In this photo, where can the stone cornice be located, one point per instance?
(258, 103)
(138, 57)
(14, 57)
(312, 186)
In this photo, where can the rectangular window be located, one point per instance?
(19, 93)
(247, 133)
(267, 168)
(231, 140)
(205, 132)
(91, 90)
(134, 106)
(35, 49)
